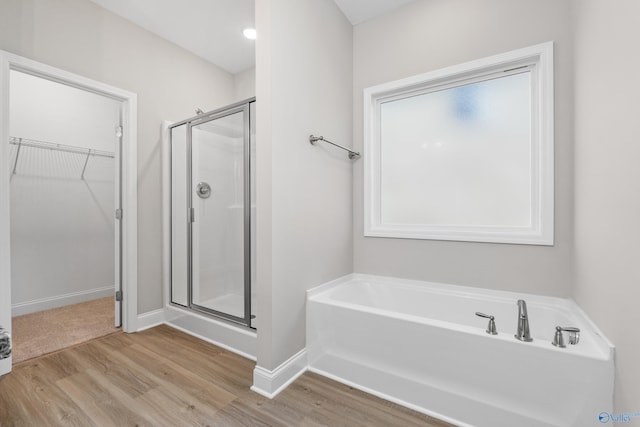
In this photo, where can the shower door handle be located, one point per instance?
(203, 190)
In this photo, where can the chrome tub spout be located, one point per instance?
(523, 333)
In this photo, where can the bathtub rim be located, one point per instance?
(566, 304)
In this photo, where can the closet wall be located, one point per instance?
(62, 223)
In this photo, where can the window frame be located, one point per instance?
(539, 58)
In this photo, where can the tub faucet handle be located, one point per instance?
(491, 328)
(558, 339)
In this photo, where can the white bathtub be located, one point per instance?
(421, 345)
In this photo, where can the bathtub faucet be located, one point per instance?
(523, 333)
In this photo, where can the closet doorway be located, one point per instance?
(64, 151)
(67, 148)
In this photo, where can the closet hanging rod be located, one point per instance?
(58, 147)
(352, 154)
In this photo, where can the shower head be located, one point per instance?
(199, 111)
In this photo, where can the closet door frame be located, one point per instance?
(128, 184)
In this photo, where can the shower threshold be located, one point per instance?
(232, 304)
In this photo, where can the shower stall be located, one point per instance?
(212, 213)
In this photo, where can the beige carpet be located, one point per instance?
(47, 331)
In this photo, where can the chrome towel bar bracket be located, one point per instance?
(352, 154)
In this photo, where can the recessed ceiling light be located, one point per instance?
(249, 33)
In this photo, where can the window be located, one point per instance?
(464, 153)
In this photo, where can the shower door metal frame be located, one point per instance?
(243, 106)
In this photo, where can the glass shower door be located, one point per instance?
(220, 207)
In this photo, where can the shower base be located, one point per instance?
(232, 304)
(235, 338)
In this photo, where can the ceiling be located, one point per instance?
(212, 29)
(359, 11)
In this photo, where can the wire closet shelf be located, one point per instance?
(32, 143)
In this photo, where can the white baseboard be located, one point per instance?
(5, 366)
(41, 304)
(150, 319)
(270, 383)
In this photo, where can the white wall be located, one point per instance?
(304, 207)
(81, 37)
(245, 84)
(62, 227)
(607, 194)
(62, 239)
(431, 34)
(47, 111)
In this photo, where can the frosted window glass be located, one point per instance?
(458, 156)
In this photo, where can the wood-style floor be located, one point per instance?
(163, 377)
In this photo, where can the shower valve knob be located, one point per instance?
(203, 190)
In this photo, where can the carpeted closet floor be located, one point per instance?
(47, 331)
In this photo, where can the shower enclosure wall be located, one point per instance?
(212, 211)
